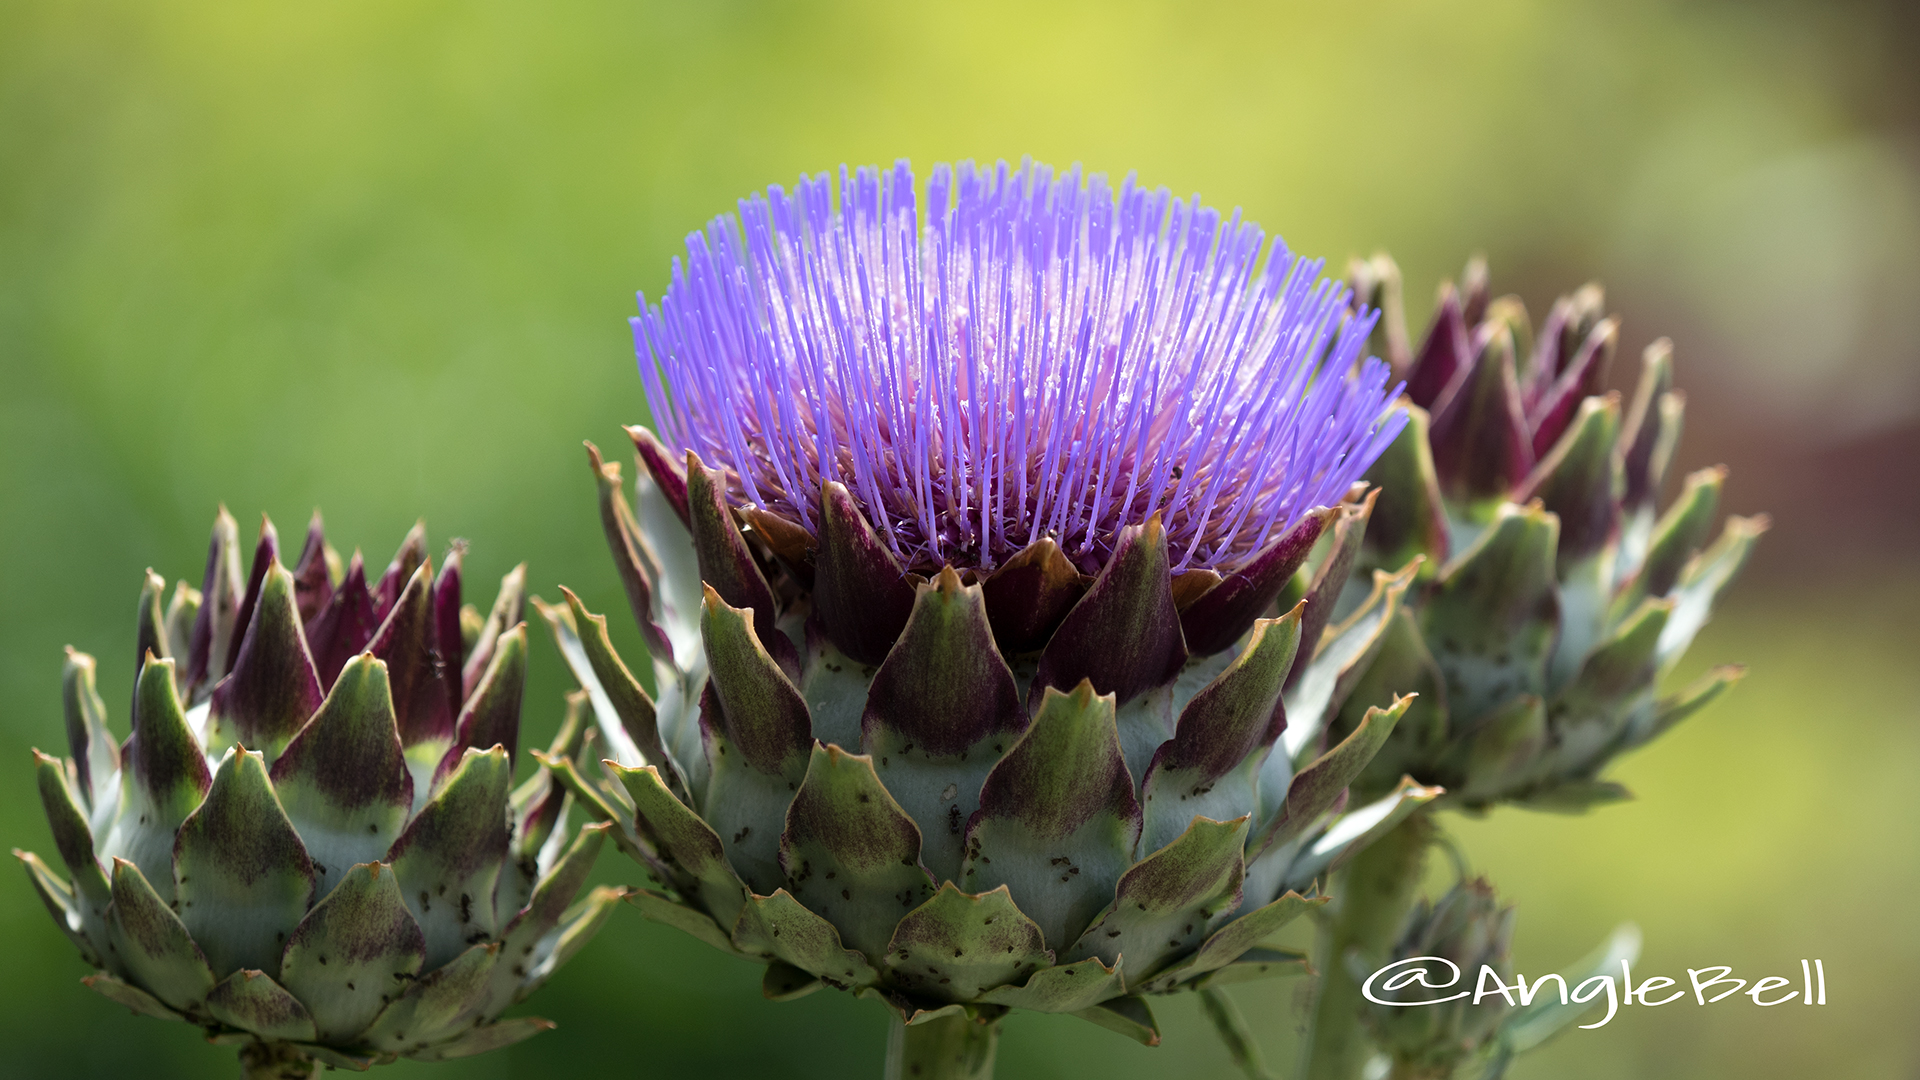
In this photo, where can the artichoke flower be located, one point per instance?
(309, 846)
(985, 571)
(1554, 594)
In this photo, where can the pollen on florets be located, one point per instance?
(1040, 356)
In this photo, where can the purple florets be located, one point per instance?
(1044, 357)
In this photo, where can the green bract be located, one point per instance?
(962, 795)
(1553, 595)
(309, 846)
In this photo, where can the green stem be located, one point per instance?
(1371, 897)
(275, 1061)
(947, 1048)
(1405, 1070)
(1234, 1032)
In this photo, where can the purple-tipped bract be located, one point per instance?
(1041, 356)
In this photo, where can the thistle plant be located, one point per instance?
(1552, 595)
(309, 845)
(986, 563)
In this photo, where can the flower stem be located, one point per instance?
(1371, 897)
(947, 1048)
(1234, 1032)
(275, 1061)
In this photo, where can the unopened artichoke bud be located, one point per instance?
(974, 566)
(1457, 943)
(1552, 596)
(308, 846)
(1447, 1002)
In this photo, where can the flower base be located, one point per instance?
(945, 1048)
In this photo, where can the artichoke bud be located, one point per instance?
(1555, 593)
(970, 696)
(1455, 941)
(308, 846)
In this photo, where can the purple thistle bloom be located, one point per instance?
(1045, 356)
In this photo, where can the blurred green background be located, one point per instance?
(377, 257)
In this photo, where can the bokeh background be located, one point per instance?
(377, 257)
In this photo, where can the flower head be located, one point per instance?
(973, 609)
(1041, 356)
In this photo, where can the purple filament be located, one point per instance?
(1044, 356)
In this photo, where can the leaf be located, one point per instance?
(1702, 580)
(957, 946)
(1531, 1025)
(1503, 753)
(343, 780)
(354, 952)
(155, 950)
(1214, 622)
(1238, 938)
(577, 927)
(861, 594)
(779, 927)
(242, 877)
(96, 753)
(131, 996)
(1677, 536)
(342, 630)
(623, 539)
(521, 936)
(1694, 697)
(1128, 1016)
(688, 841)
(62, 904)
(1492, 616)
(1355, 829)
(1028, 594)
(941, 711)
(727, 566)
(834, 686)
(508, 607)
(1066, 988)
(491, 716)
(437, 1005)
(1611, 694)
(1166, 903)
(422, 692)
(630, 702)
(1345, 652)
(253, 1002)
(90, 892)
(494, 1036)
(850, 853)
(449, 857)
(1256, 963)
(1330, 579)
(213, 625)
(1315, 788)
(1208, 768)
(1409, 519)
(759, 737)
(784, 982)
(1481, 447)
(1058, 820)
(688, 920)
(274, 687)
(1124, 634)
(164, 777)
